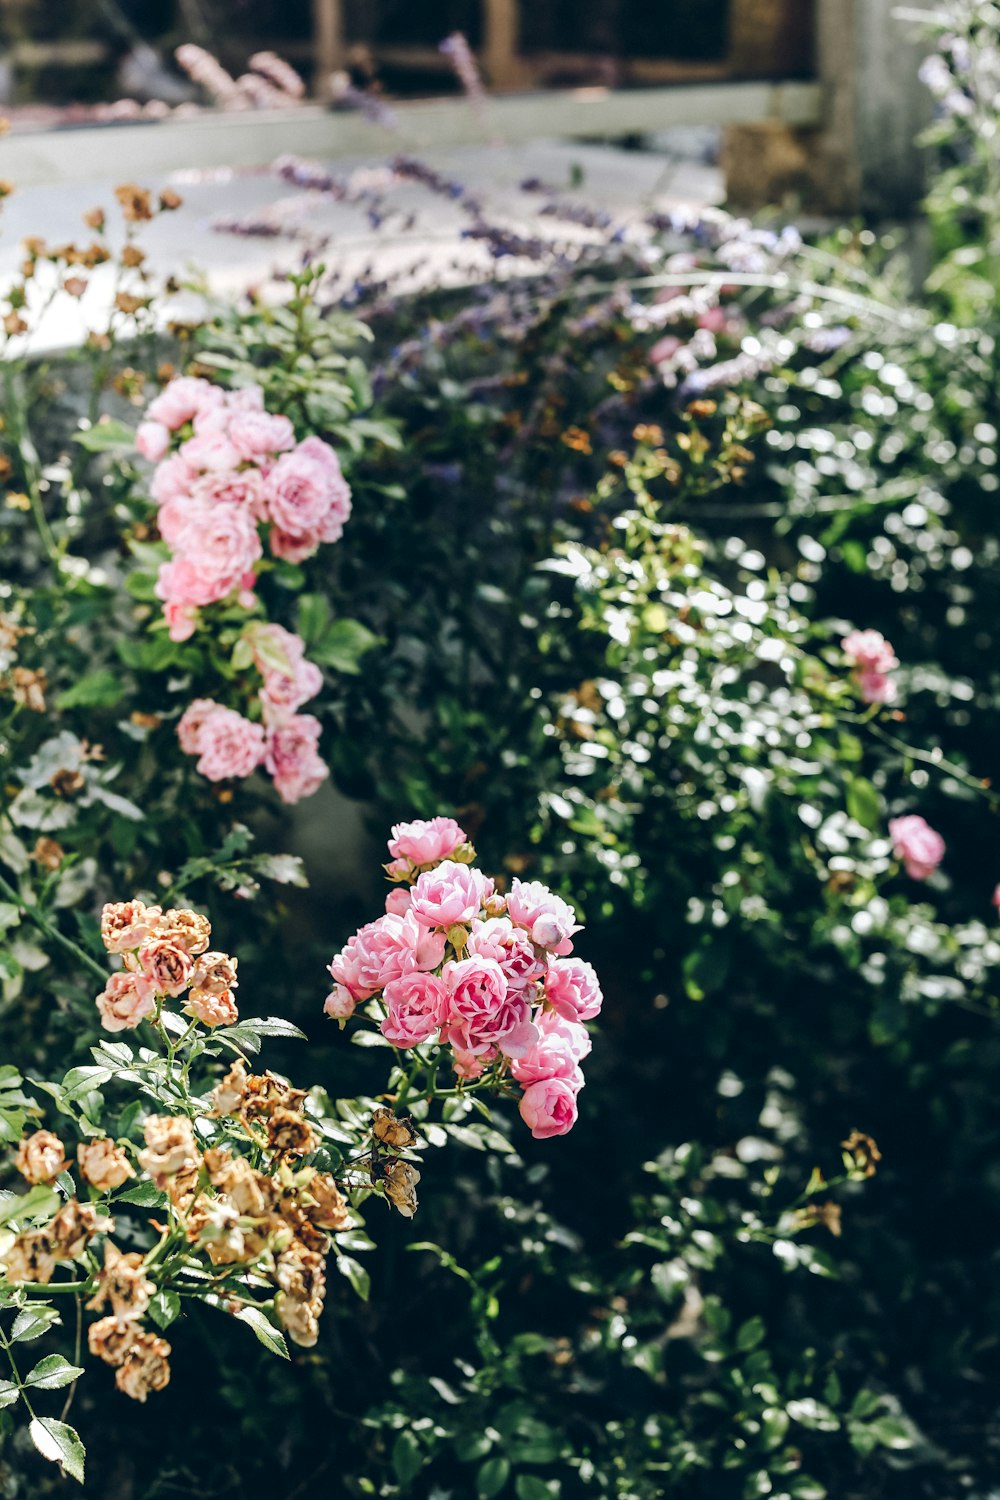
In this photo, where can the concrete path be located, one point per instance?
(623, 183)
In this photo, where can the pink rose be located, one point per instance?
(548, 1108)
(398, 902)
(293, 549)
(216, 550)
(482, 1012)
(189, 725)
(995, 898)
(126, 1000)
(339, 1003)
(292, 757)
(298, 494)
(152, 440)
(339, 493)
(182, 621)
(467, 1065)
(548, 919)
(289, 680)
(228, 745)
(875, 687)
(417, 1003)
(870, 651)
(424, 842)
(256, 434)
(308, 499)
(171, 479)
(385, 950)
(182, 399)
(177, 513)
(919, 847)
(449, 895)
(572, 989)
(210, 450)
(246, 398)
(556, 1054)
(513, 950)
(232, 487)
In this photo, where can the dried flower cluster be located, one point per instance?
(455, 962)
(166, 955)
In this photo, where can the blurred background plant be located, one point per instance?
(619, 505)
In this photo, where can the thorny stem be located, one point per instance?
(52, 933)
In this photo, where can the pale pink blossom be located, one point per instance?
(556, 1054)
(246, 398)
(385, 950)
(426, 841)
(339, 1003)
(917, 844)
(190, 723)
(875, 687)
(171, 479)
(417, 1005)
(482, 1012)
(498, 938)
(398, 902)
(870, 651)
(152, 439)
(231, 487)
(549, 1108)
(126, 999)
(216, 551)
(210, 450)
(468, 1065)
(572, 989)
(548, 919)
(182, 399)
(257, 434)
(449, 895)
(665, 349)
(182, 621)
(293, 759)
(227, 745)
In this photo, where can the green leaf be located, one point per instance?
(750, 1334)
(407, 1457)
(707, 968)
(9, 1393)
(284, 869)
(52, 1373)
(269, 1336)
(530, 1487)
(143, 1195)
(892, 1432)
(356, 1275)
(164, 1307)
(35, 1202)
(32, 1322)
(60, 1443)
(492, 1477)
(104, 437)
(100, 689)
(343, 646)
(864, 803)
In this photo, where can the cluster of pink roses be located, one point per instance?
(229, 745)
(917, 844)
(872, 658)
(487, 975)
(165, 954)
(224, 468)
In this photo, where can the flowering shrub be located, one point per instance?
(251, 1186)
(454, 963)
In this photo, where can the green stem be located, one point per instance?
(53, 933)
(15, 1371)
